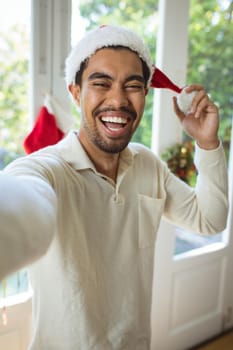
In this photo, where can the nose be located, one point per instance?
(117, 97)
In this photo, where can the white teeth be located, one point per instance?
(114, 129)
(117, 120)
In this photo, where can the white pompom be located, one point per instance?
(184, 100)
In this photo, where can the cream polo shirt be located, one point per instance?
(93, 281)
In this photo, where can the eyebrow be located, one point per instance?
(137, 77)
(101, 75)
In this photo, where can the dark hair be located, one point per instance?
(78, 75)
(83, 66)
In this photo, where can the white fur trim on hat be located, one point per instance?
(101, 37)
(63, 119)
(185, 100)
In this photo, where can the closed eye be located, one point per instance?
(100, 80)
(135, 82)
(134, 86)
(100, 84)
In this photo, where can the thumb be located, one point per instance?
(178, 112)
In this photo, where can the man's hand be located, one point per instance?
(202, 121)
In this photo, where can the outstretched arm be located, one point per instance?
(27, 221)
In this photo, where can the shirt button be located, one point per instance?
(118, 199)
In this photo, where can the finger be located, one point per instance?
(178, 112)
(201, 107)
(212, 108)
(200, 100)
(194, 87)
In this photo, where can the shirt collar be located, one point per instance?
(72, 151)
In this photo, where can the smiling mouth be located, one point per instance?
(114, 123)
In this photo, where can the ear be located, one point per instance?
(75, 91)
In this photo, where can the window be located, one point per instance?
(15, 284)
(14, 77)
(210, 63)
(14, 101)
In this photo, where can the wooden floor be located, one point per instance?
(224, 342)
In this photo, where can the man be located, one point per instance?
(84, 213)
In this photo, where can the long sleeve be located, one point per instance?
(27, 220)
(203, 209)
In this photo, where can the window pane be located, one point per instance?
(14, 101)
(15, 284)
(14, 58)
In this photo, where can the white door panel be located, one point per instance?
(10, 341)
(17, 333)
(188, 305)
(201, 282)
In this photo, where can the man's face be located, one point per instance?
(112, 99)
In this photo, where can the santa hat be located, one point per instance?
(109, 35)
(106, 36)
(52, 123)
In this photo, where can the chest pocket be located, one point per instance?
(149, 214)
